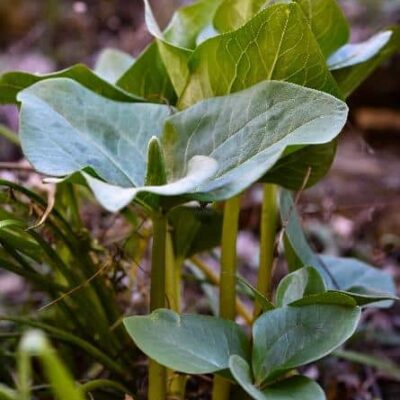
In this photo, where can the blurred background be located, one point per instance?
(354, 211)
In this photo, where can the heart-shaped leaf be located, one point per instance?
(112, 64)
(11, 83)
(296, 387)
(266, 48)
(351, 77)
(239, 59)
(192, 344)
(212, 150)
(288, 337)
(303, 282)
(353, 54)
(247, 132)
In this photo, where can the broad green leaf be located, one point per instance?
(192, 344)
(259, 298)
(239, 59)
(232, 14)
(266, 48)
(194, 230)
(35, 344)
(247, 132)
(328, 23)
(11, 83)
(213, 150)
(112, 64)
(148, 78)
(303, 282)
(288, 337)
(292, 169)
(351, 77)
(357, 279)
(353, 54)
(294, 388)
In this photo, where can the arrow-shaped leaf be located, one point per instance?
(213, 150)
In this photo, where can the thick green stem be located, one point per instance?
(172, 281)
(227, 298)
(157, 373)
(176, 382)
(228, 259)
(268, 226)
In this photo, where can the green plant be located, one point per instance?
(74, 276)
(255, 93)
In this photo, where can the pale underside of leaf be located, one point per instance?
(351, 77)
(114, 198)
(353, 54)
